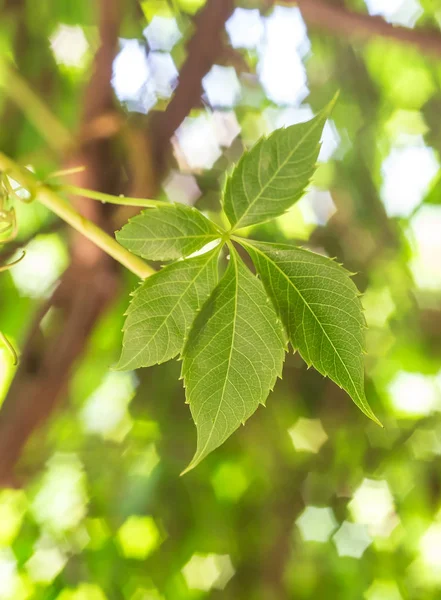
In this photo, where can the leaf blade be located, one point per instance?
(233, 357)
(308, 291)
(274, 174)
(163, 309)
(167, 232)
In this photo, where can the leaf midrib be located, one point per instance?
(313, 314)
(281, 166)
(234, 258)
(214, 236)
(165, 319)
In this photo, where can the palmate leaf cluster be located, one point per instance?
(232, 332)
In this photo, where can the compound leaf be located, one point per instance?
(164, 307)
(167, 232)
(233, 357)
(321, 310)
(274, 173)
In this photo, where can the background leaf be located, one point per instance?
(274, 173)
(167, 233)
(320, 307)
(163, 309)
(233, 357)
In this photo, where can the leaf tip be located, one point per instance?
(375, 419)
(193, 463)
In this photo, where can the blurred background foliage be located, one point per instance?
(310, 499)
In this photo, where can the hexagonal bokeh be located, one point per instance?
(245, 28)
(207, 571)
(69, 46)
(430, 546)
(316, 524)
(164, 73)
(352, 539)
(47, 561)
(195, 145)
(230, 481)
(383, 590)
(221, 86)
(373, 505)
(308, 435)
(182, 187)
(162, 33)
(226, 127)
(138, 537)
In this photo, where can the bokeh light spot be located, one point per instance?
(407, 173)
(46, 259)
(424, 236)
(413, 394)
(46, 562)
(230, 481)
(13, 505)
(245, 28)
(105, 411)
(308, 435)
(316, 524)
(182, 188)
(9, 579)
(138, 537)
(398, 12)
(164, 73)
(131, 77)
(221, 86)
(69, 45)
(162, 33)
(430, 546)
(383, 590)
(207, 571)
(352, 539)
(373, 505)
(226, 127)
(281, 70)
(196, 146)
(61, 501)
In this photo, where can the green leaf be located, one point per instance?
(321, 310)
(167, 233)
(274, 173)
(233, 357)
(164, 307)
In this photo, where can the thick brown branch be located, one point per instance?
(338, 20)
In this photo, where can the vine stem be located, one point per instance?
(108, 198)
(59, 206)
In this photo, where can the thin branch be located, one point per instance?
(336, 19)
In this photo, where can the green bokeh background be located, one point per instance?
(99, 510)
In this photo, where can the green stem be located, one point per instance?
(121, 200)
(49, 198)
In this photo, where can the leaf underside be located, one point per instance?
(164, 307)
(321, 310)
(167, 233)
(233, 357)
(274, 173)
